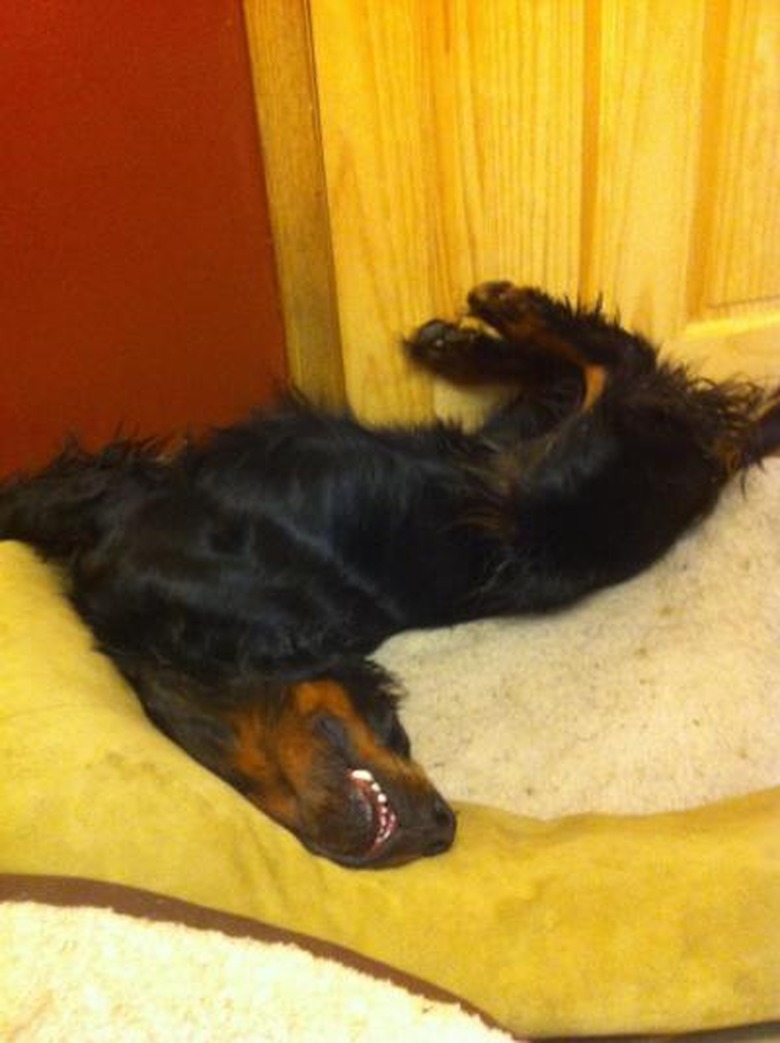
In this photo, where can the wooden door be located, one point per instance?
(624, 147)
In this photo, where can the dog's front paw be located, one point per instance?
(501, 302)
(444, 347)
(435, 339)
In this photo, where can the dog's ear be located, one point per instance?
(175, 704)
(203, 735)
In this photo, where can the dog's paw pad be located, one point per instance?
(437, 339)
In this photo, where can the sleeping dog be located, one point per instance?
(240, 583)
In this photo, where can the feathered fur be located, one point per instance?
(230, 577)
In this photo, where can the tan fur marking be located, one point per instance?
(595, 380)
(251, 733)
(594, 376)
(282, 755)
(313, 697)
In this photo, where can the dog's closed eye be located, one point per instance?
(333, 731)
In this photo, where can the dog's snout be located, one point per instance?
(443, 815)
(443, 833)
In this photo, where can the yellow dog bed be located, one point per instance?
(584, 925)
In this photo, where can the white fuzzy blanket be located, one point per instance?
(97, 976)
(661, 693)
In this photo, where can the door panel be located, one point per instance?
(742, 272)
(629, 149)
(644, 142)
(426, 112)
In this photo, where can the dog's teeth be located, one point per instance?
(386, 819)
(364, 776)
(387, 826)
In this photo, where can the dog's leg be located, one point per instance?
(560, 358)
(467, 353)
(739, 423)
(545, 386)
(524, 318)
(601, 495)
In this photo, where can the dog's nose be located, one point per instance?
(443, 833)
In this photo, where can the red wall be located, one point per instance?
(136, 273)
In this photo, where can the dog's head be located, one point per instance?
(328, 758)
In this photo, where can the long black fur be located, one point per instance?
(298, 535)
(296, 539)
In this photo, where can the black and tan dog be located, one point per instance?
(240, 583)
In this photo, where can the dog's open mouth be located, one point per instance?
(376, 805)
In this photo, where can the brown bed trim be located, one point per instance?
(70, 892)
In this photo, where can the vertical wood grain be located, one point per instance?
(279, 38)
(451, 136)
(505, 80)
(743, 244)
(372, 99)
(627, 148)
(644, 159)
(504, 176)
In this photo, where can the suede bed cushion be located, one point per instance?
(583, 925)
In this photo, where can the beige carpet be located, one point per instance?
(661, 693)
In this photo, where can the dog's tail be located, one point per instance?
(61, 509)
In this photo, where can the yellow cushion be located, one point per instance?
(589, 924)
